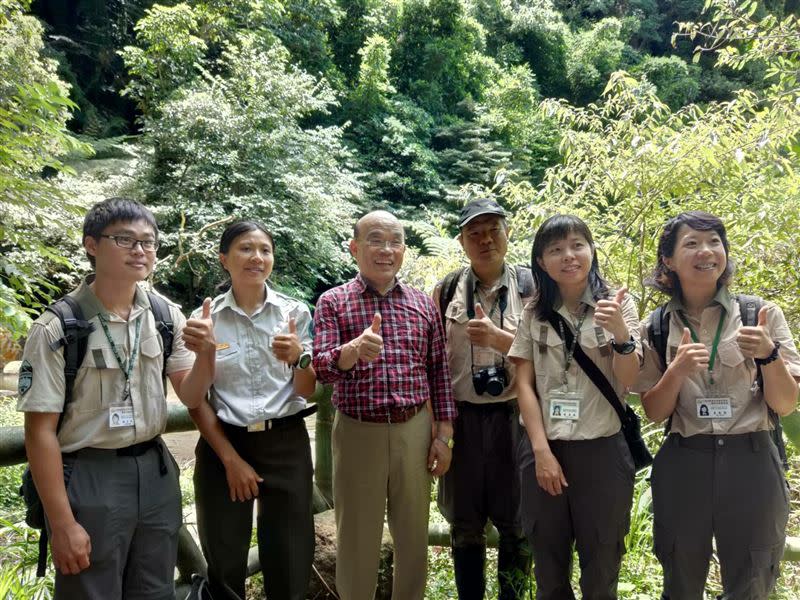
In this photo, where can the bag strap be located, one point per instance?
(75, 339)
(525, 285)
(587, 364)
(165, 326)
(447, 289)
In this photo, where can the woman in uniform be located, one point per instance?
(718, 473)
(576, 470)
(254, 443)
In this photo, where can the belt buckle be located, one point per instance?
(258, 426)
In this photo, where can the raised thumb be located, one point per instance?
(620, 296)
(762, 317)
(207, 308)
(686, 338)
(292, 325)
(479, 314)
(376, 323)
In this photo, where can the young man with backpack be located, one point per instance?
(481, 306)
(94, 400)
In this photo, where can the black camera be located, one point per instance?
(491, 380)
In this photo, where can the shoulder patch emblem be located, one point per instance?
(25, 377)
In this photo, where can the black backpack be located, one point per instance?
(749, 306)
(448, 285)
(75, 340)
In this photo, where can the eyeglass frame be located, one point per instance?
(118, 238)
(393, 245)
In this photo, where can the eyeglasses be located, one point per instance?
(381, 244)
(129, 243)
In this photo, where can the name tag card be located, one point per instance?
(565, 406)
(120, 416)
(714, 408)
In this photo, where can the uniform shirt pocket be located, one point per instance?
(228, 359)
(152, 352)
(99, 382)
(548, 355)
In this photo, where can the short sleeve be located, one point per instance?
(181, 359)
(41, 384)
(522, 347)
(652, 368)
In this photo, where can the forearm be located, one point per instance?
(502, 341)
(194, 386)
(626, 368)
(210, 427)
(780, 387)
(47, 468)
(660, 400)
(348, 356)
(304, 382)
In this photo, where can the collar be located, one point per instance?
(586, 298)
(723, 298)
(501, 283)
(91, 306)
(228, 300)
(362, 286)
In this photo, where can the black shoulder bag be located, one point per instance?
(631, 423)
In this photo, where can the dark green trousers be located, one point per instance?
(285, 524)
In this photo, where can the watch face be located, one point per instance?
(304, 360)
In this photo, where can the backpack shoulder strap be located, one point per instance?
(447, 289)
(748, 308)
(74, 340)
(524, 281)
(165, 326)
(658, 332)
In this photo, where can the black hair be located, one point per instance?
(667, 281)
(115, 210)
(233, 231)
(556, 228)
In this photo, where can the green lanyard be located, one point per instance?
(714, 345)
(568, 355)
(126, 370)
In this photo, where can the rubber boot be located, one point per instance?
(468, 565)
(513, 569)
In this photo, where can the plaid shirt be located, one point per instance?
(412, 367)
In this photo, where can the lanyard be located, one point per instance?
(126, 369)
(714, 345)
(568, 355)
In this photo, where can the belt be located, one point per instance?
(270, 424)
(750, 441)
(395, 414)
(132, 450)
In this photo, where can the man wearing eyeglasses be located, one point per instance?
(107, 483)
(381, 343)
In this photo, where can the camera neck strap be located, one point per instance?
(501, 302)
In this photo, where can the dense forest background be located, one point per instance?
(305, 113)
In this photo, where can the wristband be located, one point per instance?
(771, 357)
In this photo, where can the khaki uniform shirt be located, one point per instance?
(250, 383)
(734, 375)
(100, 382)
(539, 343)
(459, 350)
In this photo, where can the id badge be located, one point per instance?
(714, 408)
(565, 406)
(120, 416)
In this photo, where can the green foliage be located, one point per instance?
(232, 145)
(677, 83)
(34, 109)
(594, 55)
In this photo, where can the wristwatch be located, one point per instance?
(303, 361)
(447, 441)
(772, 355)
(625, 347)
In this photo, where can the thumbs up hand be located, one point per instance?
(287, 346)
(198, 333)
(755, 342)
(691, 357)
(481, 330)
(608, 315)
(370, 343)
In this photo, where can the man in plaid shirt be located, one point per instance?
(381, 343)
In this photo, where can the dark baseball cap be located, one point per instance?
(476, 208)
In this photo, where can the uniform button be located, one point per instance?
(705, 331)
(720, 442)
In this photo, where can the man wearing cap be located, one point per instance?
(380, 342)
(481, 306)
